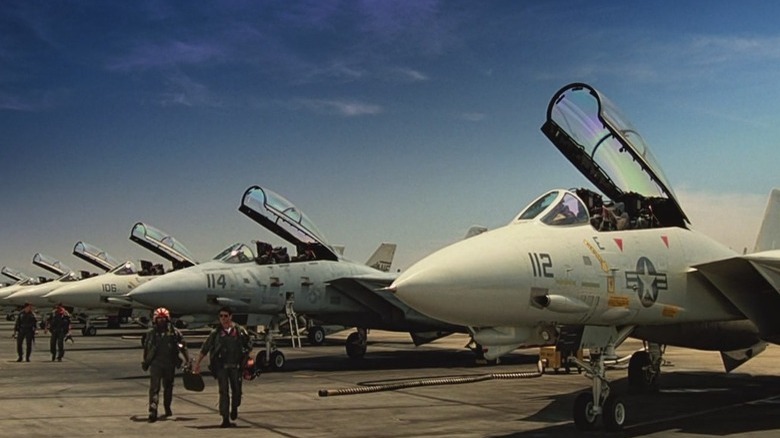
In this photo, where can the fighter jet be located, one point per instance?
(96, 295)
(21, 280)
(107, 293)
(317, 282)
(581, 269)
(35, 295)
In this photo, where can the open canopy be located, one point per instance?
(94, 255)
(282, 218)
(14, 274)
(162, 244)
(590, 131)
(51, 264)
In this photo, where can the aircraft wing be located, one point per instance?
(388, 311)
(752, 283)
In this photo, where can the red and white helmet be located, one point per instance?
(161, 312)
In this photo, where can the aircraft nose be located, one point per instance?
(176, 291)
(466, 283)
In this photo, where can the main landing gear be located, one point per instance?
(270, 357)
(357, 343)
(589, 406)
(644, 368)
(599, 402)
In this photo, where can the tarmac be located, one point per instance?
(99, 389)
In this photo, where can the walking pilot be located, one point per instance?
(228, 347)
(162, 346)
(24, 330)
(58, 324)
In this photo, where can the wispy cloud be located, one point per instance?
(409, 75)
(344, 108)
(31, 101)
(168, 54)
(472, 117)
(184, 91)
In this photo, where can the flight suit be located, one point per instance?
(161, 358)
(24, 329)
(58, 324)
(228, 350)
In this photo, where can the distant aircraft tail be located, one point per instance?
(769, 234)
(382, 258)
(475, 230)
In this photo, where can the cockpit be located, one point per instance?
(583, 206)
(126, 268)
(557, 208)
(236, 253)
(69, 277)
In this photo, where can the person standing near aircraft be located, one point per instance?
(228, 347)
(24, 330)
(58, 324)
(162, 346)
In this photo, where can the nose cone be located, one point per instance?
(181, 291)
(81, 294)
(468, 283)
(33, 295)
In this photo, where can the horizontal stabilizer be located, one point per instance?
(735, 358)
(390, 313)
(752, 283)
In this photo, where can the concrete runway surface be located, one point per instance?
(100, 390)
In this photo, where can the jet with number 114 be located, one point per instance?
(582, 269)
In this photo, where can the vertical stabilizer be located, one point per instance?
(382, 257)
(769, 234)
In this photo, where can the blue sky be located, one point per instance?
(404, 122)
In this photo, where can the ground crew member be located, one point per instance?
(162, 346)
(228, 347)
(58, 324)
(24, 330)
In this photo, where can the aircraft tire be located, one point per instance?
(613, 414)
(584, 420)
(277, 360)
(641, 378)
(354, 348)
(316, 336)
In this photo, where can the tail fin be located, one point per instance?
(769, 234)
(382, 258)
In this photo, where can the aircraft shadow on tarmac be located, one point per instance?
(694, 403)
